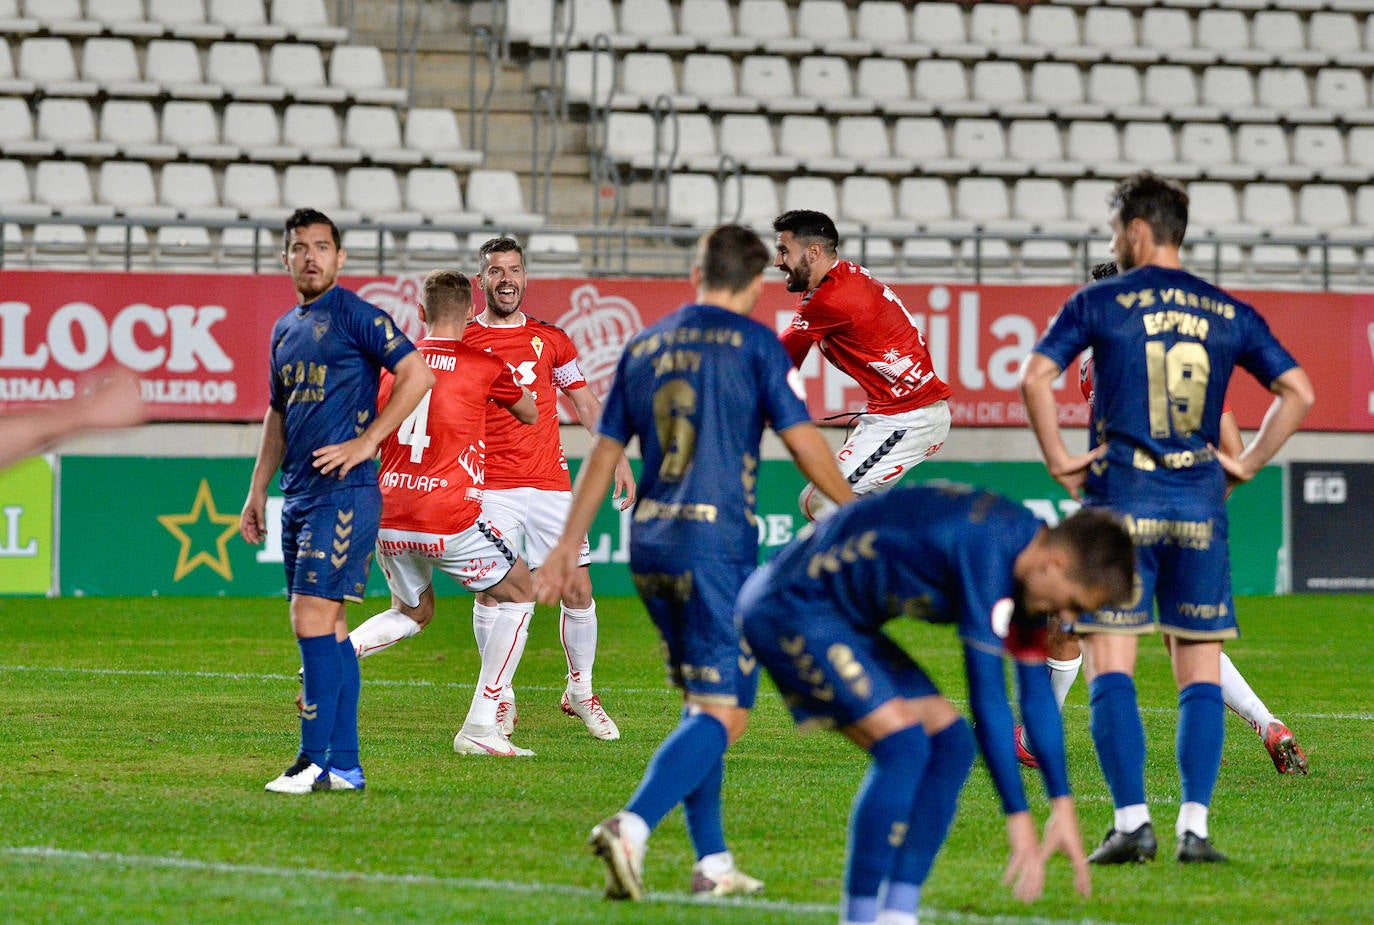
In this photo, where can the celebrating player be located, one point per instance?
(323, 428)
(697, 388)
(944, 553)
(528, 489)
(1164, 345)
(431, 480)
(865, 332)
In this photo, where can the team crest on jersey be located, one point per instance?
(320, 327)
(537, 343)
(600, 326)
(398, 297)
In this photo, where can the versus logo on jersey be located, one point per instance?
(600, 326)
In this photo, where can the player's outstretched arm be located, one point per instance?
(413, 379)
(271, 451)
(113, 402)
(1037, 393)
(816, 461)
(1062, 836)
(555, 577)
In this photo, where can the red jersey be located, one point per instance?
(865, 332)
(432, 467)
(544, 360)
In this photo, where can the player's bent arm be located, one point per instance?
(271, 451)
(413, 379)
(555, 576)
(588, 408)
(525, 410)
(1293, 399)
(796, 344)
(815, 460)
(1230, 442)
(1037, 394)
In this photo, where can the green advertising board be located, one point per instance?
(26, 527)
(144, 525)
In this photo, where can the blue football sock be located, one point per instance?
(1119, 736)
(343, 744)
(880, 815)
(701, 809)
(951, 759)
(320, 659)
(1201, 728)
(679, 765)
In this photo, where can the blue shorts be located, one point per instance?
(327, 541)
(1183, 562)
(694, 611)
(830, 672)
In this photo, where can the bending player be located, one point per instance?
(1066, 657)
(943, 553)
(431, 481)
(864, 331)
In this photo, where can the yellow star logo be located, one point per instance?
(174, 523)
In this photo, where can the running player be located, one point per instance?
(431, 480)
(865, 332)
(528, 488)
(323, 428)
(944, 553)
(1164, 345)
(697, 388)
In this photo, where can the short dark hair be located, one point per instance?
(808, 225)
(304, 218)
(1103, 550)
(447, 295)
(1163, 204)
(731, 257)
(503, 244)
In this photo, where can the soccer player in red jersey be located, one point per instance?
(431, 482)
(528, 489)
(865, 332)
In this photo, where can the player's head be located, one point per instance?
(311, 252)
(807, 243)
(1146, 204)
(501, 273)
(1085, 562)
(730, 259)
(447, 298)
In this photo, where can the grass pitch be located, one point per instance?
(137, 735)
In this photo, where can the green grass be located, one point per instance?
(136, 735)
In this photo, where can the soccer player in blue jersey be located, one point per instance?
(697, 389)
(1164, 345)
(322, 429)
(944, 553)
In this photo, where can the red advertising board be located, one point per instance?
(199, 342)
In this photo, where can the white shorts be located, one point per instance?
(477, 559)
(531, 520)
(881, 450)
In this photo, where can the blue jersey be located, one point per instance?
(326, 358)
(697, 388)
(1164, 344)
(939, 552)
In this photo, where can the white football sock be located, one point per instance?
(1192, 817)
(483, 615)
(577, 629)
(1062, 675)
(500, 657)
(382, 631)
(718, 864)
(1240, 698)
(1129, 818)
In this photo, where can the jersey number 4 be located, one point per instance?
(412, 433)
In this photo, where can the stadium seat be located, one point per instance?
(313, 128)
(183, 244)
(1343, 91)
(1088, 202)
(497, 196)
(769, 79)
(434, 133)
(70, 125)
(944, 84)
(924, 139)
(1002, 85)
(1170, 29)
(237, 245)
(376, 193)
(129, 187)
(928, 203)
(430, 247)
(644, 77)
(123, 18)
(870, 202)
(299, 68)
(1269, 208)
(1337, 35)
(865, 138)
(692, 135)
(984, 201)
(17, 138)
(16, 196)
(818, 193)
(554, 253)
(1227, 31)
(1209, 147)
(254, 191)
(712, 23)
(1038, 143)
(1098, 145)
(981, 142)
(434, 192)
(1056, 29)
(245, 20)
(529, 22)
(121, 245)
(359, 69)
(1042, 204)
(693, 198)
(1059, 85)
(112, 64)
(887, 26)
(1152, 145)
(1214, 208)
(712, 78)
(1117, 87)
(237, 66)
(1320, 149)
(999, 27)
(10, 85)
(131, 125)
(185, 19)
(940, 25)
(66, 187)
(193, 127)
(750, 200)
(748, 138)
(826, 24)
(1231, 89)
(61, 17)
(769, 23)
(376, 131)
(1112, 29)
(48, 61)
(1265, 147)
(886, 82)
(1283, 35)
(1173, 88)
(175, 65)
(318, 185)
(811, 141)
(253, 128)
(190, 190)
(592, 19)
(589, 77)
(650, 23)
(61, 244)
(1286, 89)
(307, 21)
(827, 78)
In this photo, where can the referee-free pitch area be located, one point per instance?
(137, 735)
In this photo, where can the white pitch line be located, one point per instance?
(116, 859)
(1364, 716)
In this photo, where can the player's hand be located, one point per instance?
(1072, 472)
(1026, 866)
(1237, 473)
(338, 459)
(116, 401)
(253, 519)
(624, 483)
(1062, 836)
(555, 577)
